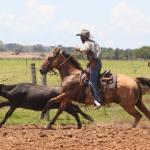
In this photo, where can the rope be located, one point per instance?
(73, 53)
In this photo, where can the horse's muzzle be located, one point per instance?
(42, 71)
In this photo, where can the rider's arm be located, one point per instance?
(81, 51)
(78, 49)
(98, 49)
(84, 48)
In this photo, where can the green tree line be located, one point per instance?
(107, 53)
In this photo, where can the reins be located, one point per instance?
(66, 59)
(73, 53)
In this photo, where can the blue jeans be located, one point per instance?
(93, 82)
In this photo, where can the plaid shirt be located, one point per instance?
(92, 50)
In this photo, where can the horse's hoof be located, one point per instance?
(42, 116)
(48, 127)
(79, 126)
(91, 119)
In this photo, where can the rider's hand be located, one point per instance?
(78, 49)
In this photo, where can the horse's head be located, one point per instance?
(53, 60)
(57, 59)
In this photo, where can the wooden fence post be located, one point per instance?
(33, 73)
(44, 83)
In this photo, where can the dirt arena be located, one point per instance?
(21, 55)
(90, 137)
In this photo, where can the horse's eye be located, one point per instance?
(49, 59)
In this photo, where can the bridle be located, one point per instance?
(61, 64)
(66, 59)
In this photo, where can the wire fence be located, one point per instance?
(18, 71)
(21, 71)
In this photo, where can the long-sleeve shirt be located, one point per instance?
(92, 50)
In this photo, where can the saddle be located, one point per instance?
(106, 80)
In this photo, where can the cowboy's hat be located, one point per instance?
(85, 33)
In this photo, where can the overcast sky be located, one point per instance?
(113, 23)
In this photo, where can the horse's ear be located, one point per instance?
(56, 51)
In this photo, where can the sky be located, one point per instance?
(113, 23)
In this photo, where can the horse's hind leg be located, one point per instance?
(7, 115)
(76, 116)
(72, 110)
(86, 116)
(60, 110)
(132, 111)
(143, 109)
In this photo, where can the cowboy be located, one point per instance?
(93, 52)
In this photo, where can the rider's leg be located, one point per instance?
(94, 74)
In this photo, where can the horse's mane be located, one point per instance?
(72, 60)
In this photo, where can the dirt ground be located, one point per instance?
(21, 55)
(90, 137)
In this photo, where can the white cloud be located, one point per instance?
(74, 27)
(40, 12)
(130, 19)
(30, 3)
(33, 16)
(71, 28)
(6, 18)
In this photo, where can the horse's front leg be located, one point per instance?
(7, 115)
(48, 105)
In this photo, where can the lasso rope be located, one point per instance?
(73, 53)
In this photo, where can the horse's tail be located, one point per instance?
(146, 83)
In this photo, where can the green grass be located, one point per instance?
(113, 114)
(131, 68)
(18, 70)
(14, 71)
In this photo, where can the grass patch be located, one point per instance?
(113, 114)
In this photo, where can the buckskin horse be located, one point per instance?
(34, 97)
(128, 91)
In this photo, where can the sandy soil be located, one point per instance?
(22, 55)
(90, 137)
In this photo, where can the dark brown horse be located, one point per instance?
(128, 92)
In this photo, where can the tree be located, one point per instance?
(38, 48)
(2, 46)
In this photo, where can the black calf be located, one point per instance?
(34, 97)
